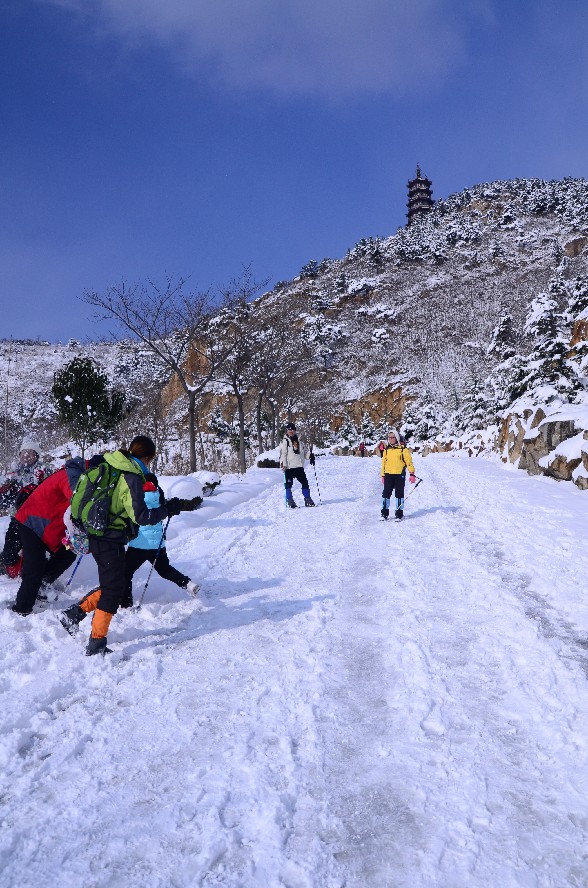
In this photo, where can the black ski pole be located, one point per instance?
(138, 606)
(419, 481)
(317, 484)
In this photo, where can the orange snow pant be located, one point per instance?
(101, 619)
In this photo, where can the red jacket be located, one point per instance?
(44, 509)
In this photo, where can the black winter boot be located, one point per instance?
(71, 618)
(308, 501)
(19, 611)
(97, 646)
(399, 514)
(385, 513)
(291, 504)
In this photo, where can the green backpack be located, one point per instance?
(90, 503)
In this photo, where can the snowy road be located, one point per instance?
(360, 705)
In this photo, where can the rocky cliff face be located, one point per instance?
(554, 445)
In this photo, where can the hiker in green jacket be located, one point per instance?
(127, 512)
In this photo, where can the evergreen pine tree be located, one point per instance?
(218, 425)
(348, 429)
(577, 299)
(382, 427)
(86, 406)
(473, 413)
(576, 311)
(367, 430)
(422, 419)
(548, 367)
(503, 343)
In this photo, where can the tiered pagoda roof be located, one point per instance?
(420, 199)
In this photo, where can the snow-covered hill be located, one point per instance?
(414, 315)
(423, 303)
(359, 704)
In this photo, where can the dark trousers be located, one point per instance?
(12, 544)
(110, 558)
(394, 483)
(35, 567)
(134, 558)
(299, 474)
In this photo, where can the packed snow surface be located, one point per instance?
(356, 704)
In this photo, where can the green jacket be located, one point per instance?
(128, 509)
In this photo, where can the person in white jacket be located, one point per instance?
(293, 455)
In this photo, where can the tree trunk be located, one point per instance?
(200, 442)
(192, 428)
(241, 411)
(258, 422)
(274, 422)
(156, 441)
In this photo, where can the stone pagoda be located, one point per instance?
(420, 198)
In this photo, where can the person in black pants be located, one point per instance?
(134, 558)
(293, 455)
(396, 459)
(42, 529)
(37, 571)
(149, 545)
(128, 512)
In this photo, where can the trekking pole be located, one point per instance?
(317, 485)
(138, 606)
(73, 573)
(418, 481)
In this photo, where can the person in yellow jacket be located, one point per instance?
(396, 459)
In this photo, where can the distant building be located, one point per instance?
(420, 199)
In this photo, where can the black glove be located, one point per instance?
(311, 459)
(190, 505)
(174, 506)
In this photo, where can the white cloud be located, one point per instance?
(326, 48)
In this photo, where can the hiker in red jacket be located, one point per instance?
(41, 529)
(28, 472)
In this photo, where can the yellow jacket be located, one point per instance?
(395, 459)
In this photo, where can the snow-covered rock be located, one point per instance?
(188, 488)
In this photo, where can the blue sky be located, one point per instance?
(139, 137)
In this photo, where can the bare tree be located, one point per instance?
(175, 326)
(237, 327)
(282, 356)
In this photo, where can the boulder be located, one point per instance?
(541, 441)
(340, 451)
(574, 247)
(561, 468)
(513, 430)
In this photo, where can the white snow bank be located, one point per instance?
(361, 703)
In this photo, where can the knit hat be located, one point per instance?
(395, 433)
(30, 444)
(290, 425)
